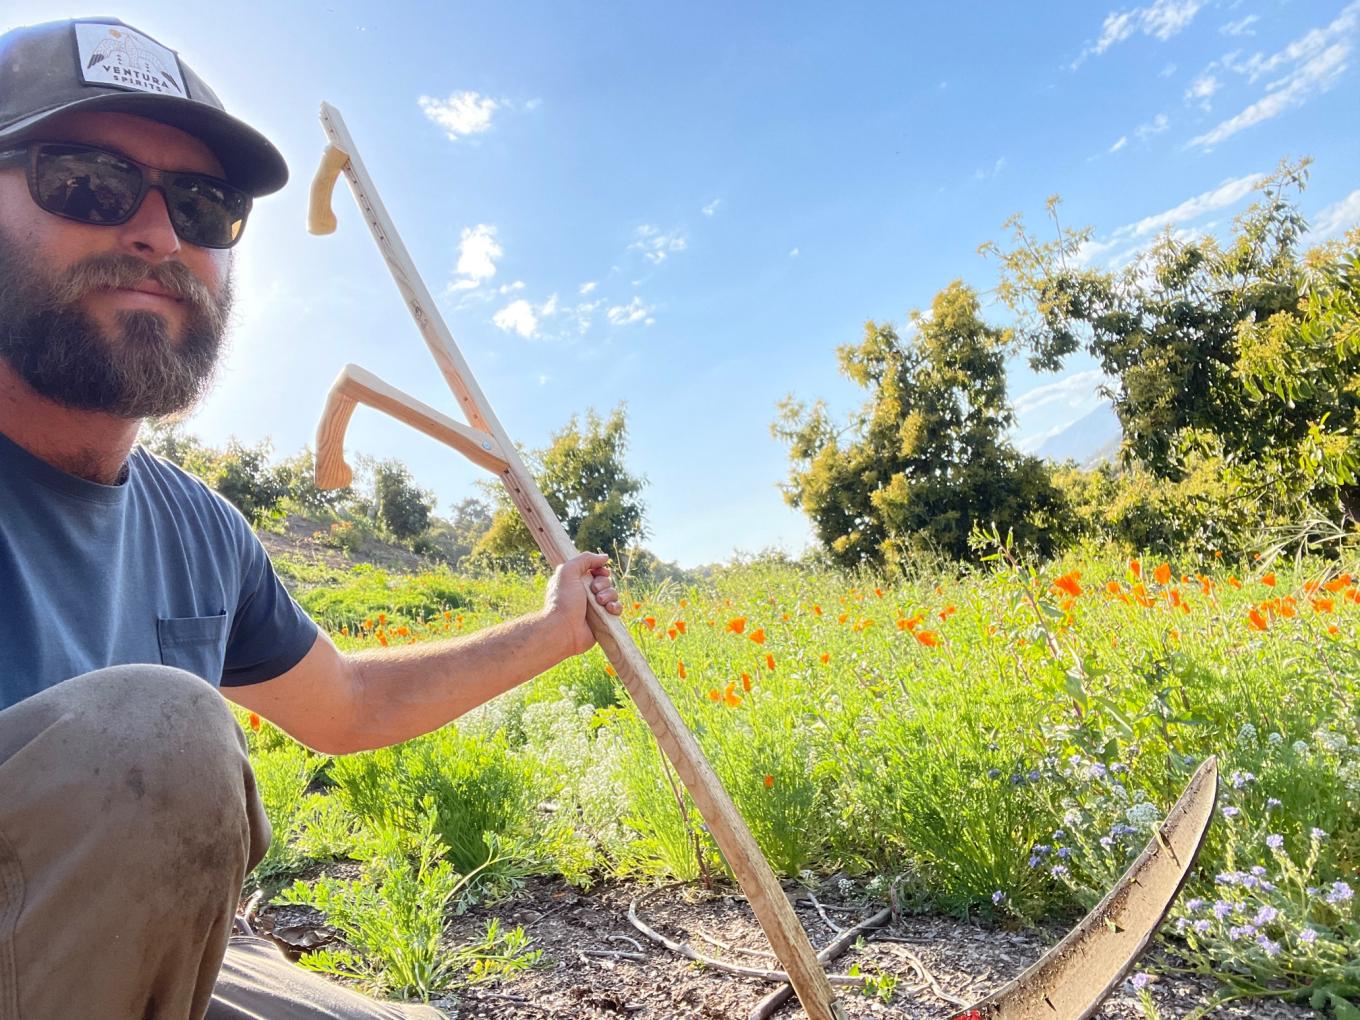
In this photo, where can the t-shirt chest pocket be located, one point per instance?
(197, 644)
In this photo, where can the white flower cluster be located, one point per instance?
(1330, 740)
(1143, 815)
(1246, 736)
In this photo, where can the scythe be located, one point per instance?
(1067, 983)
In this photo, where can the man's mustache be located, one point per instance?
(113, 270)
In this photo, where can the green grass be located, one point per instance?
(991, 741)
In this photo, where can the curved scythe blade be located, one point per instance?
(1070, 981)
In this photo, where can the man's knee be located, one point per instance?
(147, 737)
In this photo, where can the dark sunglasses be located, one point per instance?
(92, 185)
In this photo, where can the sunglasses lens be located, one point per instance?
(84, 184)
(205, 211)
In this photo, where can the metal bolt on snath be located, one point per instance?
(1067, 983)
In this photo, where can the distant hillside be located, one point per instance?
(1094, 437)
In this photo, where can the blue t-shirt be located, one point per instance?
(156, 569)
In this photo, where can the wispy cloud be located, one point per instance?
(1313, 64)
(478, 251)
(1161, 19)
(793, 253)
(633, 312)
(1336, 219)
(1123, 141)
(588, 286)
(1202, 89)
(1242, 26)
(656, 245)
(712, 207)
(1155, 126)
(518, 317)
(461, 114)
(983, 173)
(1127, 240)
(1078, 390)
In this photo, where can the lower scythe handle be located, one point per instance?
(729, 830)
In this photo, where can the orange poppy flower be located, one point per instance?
(715, 695)
(1257, 620)
(730, 697)
(1135, 568)
(746, 682)
(1068, 583)
(1162, 573)
(737, 624)
(1235, 582)
(878, 592)
(769, 782)
(681, 670)
(382, 639)
(769, 662)
(758, 635)
(672, 633)
(826, 657)
(1113, 588)
(403, 631)
(927, 637)
(684, 603)
(680, 626)
(947, 612)
(817, 609)
(1322, 605)
(637, 606)
(1333, 629)
(1268, 580)
(650, 621)
(254, 722)
(1337, 583)
(843, 617)
(609, 670)
(382, 619)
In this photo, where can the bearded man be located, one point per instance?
(132, 598)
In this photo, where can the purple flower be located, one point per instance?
(1258, 870)
(1139, 982)
(1064, 852)
(1230, 812)
(1222, 909)
(1273, 803)
(1275, 841)
(998, 897)
(1195, 905)
(1033, 776)
(1318, 834)
(1269, 946)
(1203, 925)
(1265, 915)
(1241, 931)
(1058, 871)
(1058, 835)
(1339, 893)
(1241, 779)
(1308, 936)
(1106, 842)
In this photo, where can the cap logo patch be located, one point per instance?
(123, 57)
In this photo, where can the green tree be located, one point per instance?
(1244, 351)
(403, 509)
(927, 457)
(584, 479)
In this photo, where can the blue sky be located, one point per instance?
(687, 207)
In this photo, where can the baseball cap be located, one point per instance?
(102, 64)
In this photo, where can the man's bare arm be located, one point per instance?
(338, 703)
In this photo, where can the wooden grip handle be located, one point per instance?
(331, 470)
(320, 215)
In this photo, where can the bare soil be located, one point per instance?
(967, 959)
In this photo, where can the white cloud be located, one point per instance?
(656, 245)
(1228, 193)
(543, 379)
(518, 317)
(478, 251)
(1336, 219)
(510, 288)
(1075, 391)
(626, 315)
(1167, 71)
(1312, 64)
(588, 286)
(1242, 26)
(1123, 141)
(1161, 19)
(533, 104)
(983, 173)
(548, 308)
(793, 253)
(461, 114)
(1201, 90)
(1155, 126)
(712, 207)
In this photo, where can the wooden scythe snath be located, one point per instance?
(1067, 983)
(486, 444)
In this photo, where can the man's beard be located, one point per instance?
(63, 353)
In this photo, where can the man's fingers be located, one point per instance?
(591, 562)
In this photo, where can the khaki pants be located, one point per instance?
(128, 821)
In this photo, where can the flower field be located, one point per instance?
(1000, 743)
